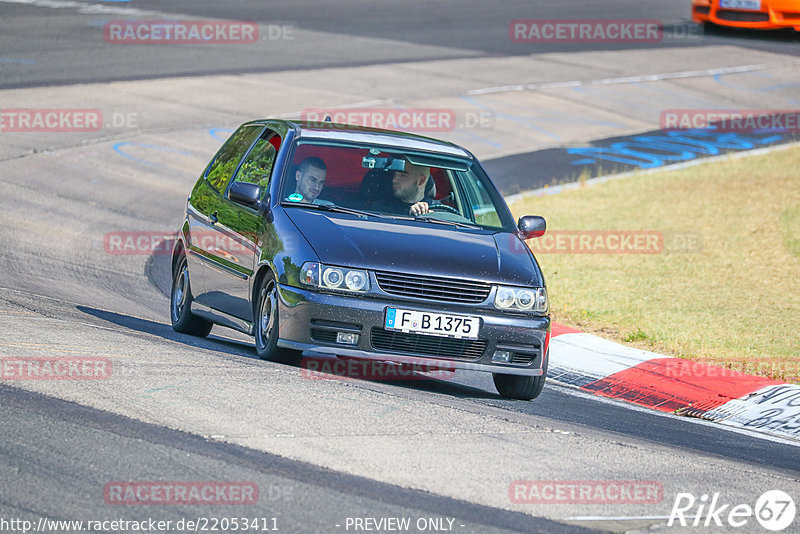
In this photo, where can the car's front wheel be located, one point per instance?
(520, 387)
(181, 316)
(266, 322)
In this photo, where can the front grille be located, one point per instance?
(433, 288)
(522, 355)
(425, 345)
(522, 358)
(742, 16)
(323, 336)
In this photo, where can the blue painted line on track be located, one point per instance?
(650, 151)
(480, 138)
(525, 122)
(220, 134)
(214, 131)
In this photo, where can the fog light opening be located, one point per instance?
(501, 356)
(347, 338)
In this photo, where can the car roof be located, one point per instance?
(363, 134)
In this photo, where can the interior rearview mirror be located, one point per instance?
(386, 164)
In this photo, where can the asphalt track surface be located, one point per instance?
(60, 445)
(301, 497)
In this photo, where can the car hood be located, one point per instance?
(416, 247)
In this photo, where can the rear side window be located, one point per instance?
(257, 166)
(227, 159)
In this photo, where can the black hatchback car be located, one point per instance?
(336, 240)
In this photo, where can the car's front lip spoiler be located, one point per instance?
(317, 350)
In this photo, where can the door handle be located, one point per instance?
(213, 218)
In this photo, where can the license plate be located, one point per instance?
(749, 5)
(437, 324)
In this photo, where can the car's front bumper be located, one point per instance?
(776, 14)
(309, 321)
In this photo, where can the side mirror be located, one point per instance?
(531, 226)
(246, 194)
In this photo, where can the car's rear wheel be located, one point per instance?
(266, 322)
(520, 387)
(181, 316)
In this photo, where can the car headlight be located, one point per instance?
(526, 299)
(323, 276)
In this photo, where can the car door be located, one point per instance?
(204, 208)
(236, 233)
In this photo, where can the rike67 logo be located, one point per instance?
(774, 510)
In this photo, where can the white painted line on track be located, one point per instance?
(622, 518)
(551, 85)
(86, 8)
(631, 79)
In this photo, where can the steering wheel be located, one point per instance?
(443, 207)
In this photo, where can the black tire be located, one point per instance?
(265, 326)
(180, 301)
(521, 387)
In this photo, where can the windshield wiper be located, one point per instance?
(449, 223)
(335, 208)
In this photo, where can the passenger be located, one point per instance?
(310, 177)
(408, 192)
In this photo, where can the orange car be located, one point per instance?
(758, 14)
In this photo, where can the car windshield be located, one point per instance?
(385, 181)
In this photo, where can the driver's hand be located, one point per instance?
(420, 208)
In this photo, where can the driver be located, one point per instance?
(408, 192)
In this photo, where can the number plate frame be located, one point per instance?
(413, 323)
(744, 5)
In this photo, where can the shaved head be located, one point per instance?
(409, 185)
